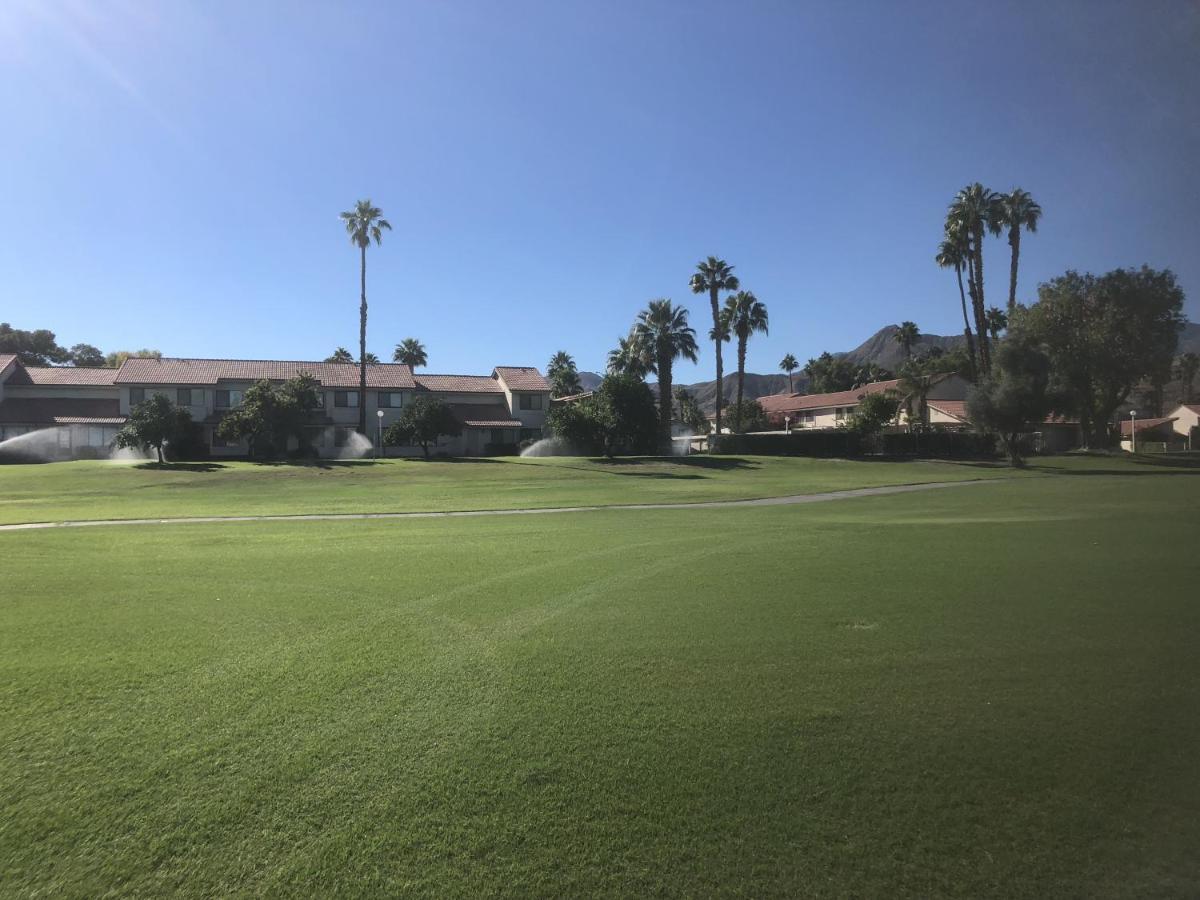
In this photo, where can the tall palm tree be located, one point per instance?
(411, 353)
(745, 315)
(1186, 369)
(340, 355)
(1017, 210)
(630, 357)
(712, 276)
(914, 387)
(364, 223)
(563, 375)
(997, 321)
(663, 328)
(952, 254)
(906, 336)
(974, 212)
(789, 365)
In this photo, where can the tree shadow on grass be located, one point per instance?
(181, 466)
(717, 463)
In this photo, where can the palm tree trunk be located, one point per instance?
(737, 413)
(985, 353)
(1014, 241)
(716, 314)
(664, 402)
(362, 347)
(790, 391)
(966, 321)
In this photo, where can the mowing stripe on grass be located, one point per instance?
(337, 517)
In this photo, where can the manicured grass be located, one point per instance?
(101, 490)
(988, 691)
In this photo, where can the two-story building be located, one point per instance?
(87, 406)
(833, 410)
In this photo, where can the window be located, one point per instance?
(321, 401)
(390, 399)
(188, 397)
(531, 401)
(345, 398)
(136, 396)
(503, 435)
(227, 399)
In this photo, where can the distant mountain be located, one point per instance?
(881, 347)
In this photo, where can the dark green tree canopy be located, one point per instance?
(340, 355)
(828, 373)
(411, 353)
(1016, 395)
(1104, 334)
(270, 416)
(873, 412)
(422, 422)
(621, 417)
(86, 355)
(153, 423)
(749, 415)
(563, 375)
(32, 348)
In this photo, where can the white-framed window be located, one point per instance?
(321, 401)
(345, 399)
(136, 396)
(391, 399)
(189, 397)
(531, 401)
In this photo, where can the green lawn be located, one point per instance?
(102, 490)
(992, 691)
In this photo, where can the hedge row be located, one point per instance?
(847, 444)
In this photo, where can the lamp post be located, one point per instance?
(379, 431)
(1133, 431)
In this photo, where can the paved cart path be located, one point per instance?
(340, 517)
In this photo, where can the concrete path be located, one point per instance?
(340, 517)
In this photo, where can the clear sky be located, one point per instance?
(171, 172)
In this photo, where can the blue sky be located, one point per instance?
(172, 171)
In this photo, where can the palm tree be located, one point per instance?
(364, 223)
(976, 210)
(914, 387)
(714, 276)
(630, 357)
(411, 353)
(906, 335)
(563, 375)
(869, 373)
(371, 359)
(663, 328)
(952, 254)
(340, 355)
(789, 365)
(745, 315)
(1186, 369)
(997, 321)
(1017, 210)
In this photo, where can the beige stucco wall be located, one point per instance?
(1185, 420)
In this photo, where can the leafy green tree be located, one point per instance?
(117, 358)
(340, 355)
(750, 414)
(1186, 369)
(153, 423)
(828, 373)
(32, 348)
(869, 373)
(422, 422)
(620, 417)
(745, 315)
(86, 355)
(270, 416)
(975, 211)
(630, 357)
(411, 353)
(712, 276)
(873, 412)
(563, 375)
(907, 336)
(1103, 335)
(1017, 210)
(939, 361)
(690, 413)
(364, 223)
(1015, 395)
(952, 254)
(789, 364)
(663, 328)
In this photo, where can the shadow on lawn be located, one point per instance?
(1166, 464)
(181, 466)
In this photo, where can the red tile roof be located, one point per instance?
(1194, 407)
(63, 375)
(60, 411)
(5, 359)
(785, 403)
(459, 384)
(955, 408)
(1144, 425)
(491, 415)
(522, 378)
(210, 371)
